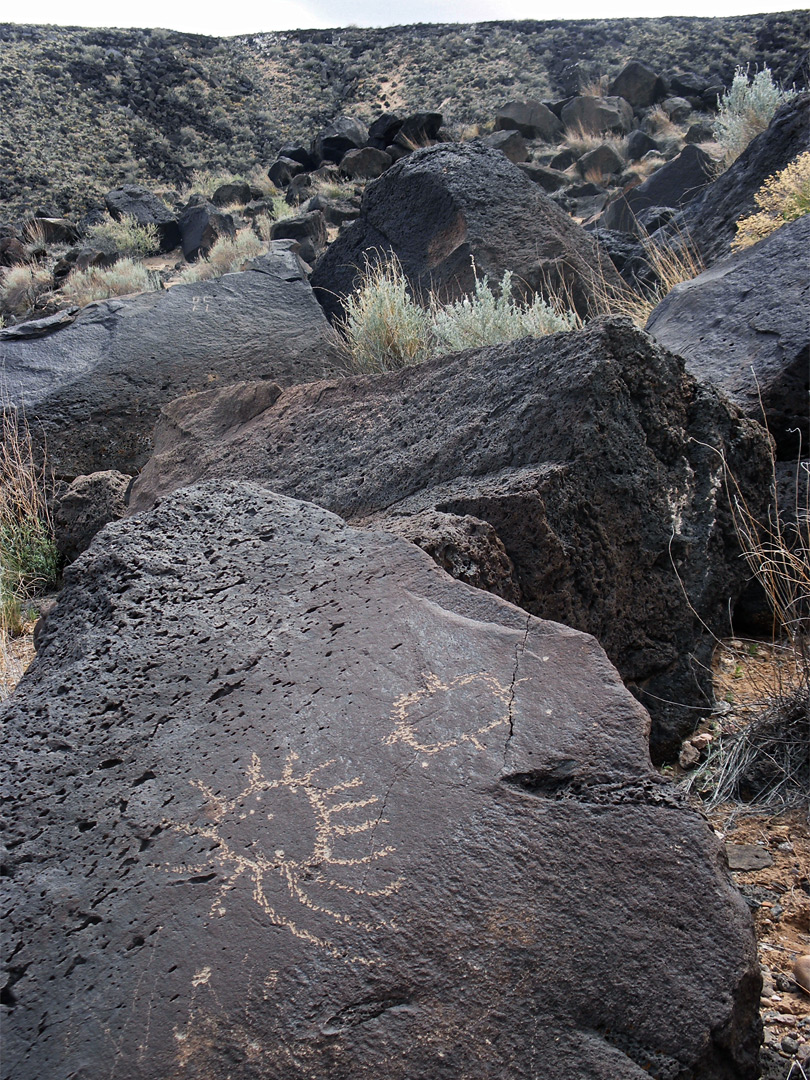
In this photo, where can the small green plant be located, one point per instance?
(746, 109)
(384, 328)
(127, 276)
(227, 256)
(29, 563)
(126, 236)
(282, 209)
(783, 197)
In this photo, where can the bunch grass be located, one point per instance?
(82, 287)
(227, 256)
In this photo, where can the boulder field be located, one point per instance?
(290, 802)
(589, 462)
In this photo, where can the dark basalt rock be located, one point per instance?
(308, 231)
(343, 134)
(588, 454)
(638, 84)
(290, 802)
(711, 219)
(673, 185)
(92, 388)
(147, 209)
(744, 325)
(201, 225)
(598, 115)
(442, 207)
(532, 119)
(88, 504)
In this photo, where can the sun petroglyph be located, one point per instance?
(291, 838)
(431, 719)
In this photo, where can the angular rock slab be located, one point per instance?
(744, 325)
(293, 803)
(593, 456)
(92, 389)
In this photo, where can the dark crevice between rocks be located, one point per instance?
(520, 648)
(563, 783)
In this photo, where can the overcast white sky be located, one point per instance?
(256, 15)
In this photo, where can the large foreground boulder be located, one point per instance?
(744, 325)
(292, 803)
(450, 210)
(711, 219)
(592, 455)
(92, 389)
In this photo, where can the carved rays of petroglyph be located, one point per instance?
(316, 819)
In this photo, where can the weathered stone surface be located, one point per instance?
(677, 109)
(510, 143)
(597, 115)
(291, 803)
(587, 453)
(639, 144)
(674, 184)
(343, 134)
(92, 389)
(89, 503)
(602, 159)
(418, 130)
(307, 230)
(638, 84)
(50, 230)
(201, 225)
(546, 178)
(282, 171)
(531, 118)
(365, 164)
(228, 194)
(147, 209)
(711, 219)
(440, 208)
(744, 325)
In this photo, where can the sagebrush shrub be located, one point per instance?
(21, 285)
(783, 197)
(126, 236)
(746, 109)
(126, 276)
(383, 327)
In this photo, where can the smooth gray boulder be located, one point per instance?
(592, 456)
(92, 388)
(291, 803)
(744, 325)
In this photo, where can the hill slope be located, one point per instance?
(84, 109)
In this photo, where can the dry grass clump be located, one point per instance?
(227, 256)
(582, 140)
(671, 264)
(783, 197)
(384, 328)
(126, 236)
(767, 761)
(20, 286)
(82, 287)
(29, 562)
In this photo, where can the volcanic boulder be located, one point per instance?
(744, 325)
(674, 184)
(139, 203)
(592, 455)
(92, 388)
(291, 802)
(441, 208)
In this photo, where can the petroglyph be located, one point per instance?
(291, 838)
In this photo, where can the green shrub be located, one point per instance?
(746, 110)
(126, 276)
(783, 197)
(384, 328)
(126, 236)
(226, 257)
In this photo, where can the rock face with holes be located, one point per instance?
(441, 208)
(291, 802)
(744, 325)
(92, 388)
(592, 456)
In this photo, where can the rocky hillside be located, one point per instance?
(83, 109)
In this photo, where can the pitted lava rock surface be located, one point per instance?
(291, 802)
(454, 210)
(92, 389)
(594, 457)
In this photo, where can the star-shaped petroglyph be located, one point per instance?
(291, 838)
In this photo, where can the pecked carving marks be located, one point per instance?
(366, 1010)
